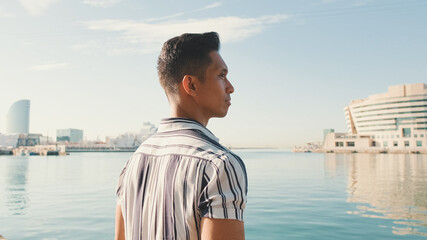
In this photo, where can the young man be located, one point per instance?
(181, 183)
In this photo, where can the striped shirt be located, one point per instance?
(176, 177)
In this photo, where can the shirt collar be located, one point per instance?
(171, 124)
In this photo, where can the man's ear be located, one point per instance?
(189, 83)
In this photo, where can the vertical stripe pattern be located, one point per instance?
(176, 177)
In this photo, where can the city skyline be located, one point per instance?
(294, 65)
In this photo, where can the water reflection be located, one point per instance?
(386, 186)
(17, 199)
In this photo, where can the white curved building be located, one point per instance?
(394, 120)
(18, 117)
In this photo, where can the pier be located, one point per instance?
(42, 150)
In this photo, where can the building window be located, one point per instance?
(422, 135)
(397, 136)
(406, 143)
(350, 144)
(415, 135)
(395, 144)
(406, 132)
(385, 144)
(419, 143)
(392, 136)
(339, 144)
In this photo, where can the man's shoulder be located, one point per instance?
(187, 142)
(228, 157)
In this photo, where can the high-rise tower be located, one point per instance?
(18, 117)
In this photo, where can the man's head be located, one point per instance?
(187, 54)
(194, 77)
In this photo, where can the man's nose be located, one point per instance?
(230, 88)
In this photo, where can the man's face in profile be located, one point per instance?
(214, 93)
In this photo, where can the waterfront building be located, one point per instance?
(45, 140)
(28, 140)
(18, 118)
(8, 141)
(345, 142)
(69, 135)
(396, 121)
(129, 139)
(326, 132)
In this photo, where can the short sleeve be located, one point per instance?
(224, 189)
(119, 188)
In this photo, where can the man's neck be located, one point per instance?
(179, 112)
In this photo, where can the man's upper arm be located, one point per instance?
(223, 199)
(120, 224)
(222, 229)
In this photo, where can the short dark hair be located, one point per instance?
(187, 54)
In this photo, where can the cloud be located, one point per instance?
(147, 36)
(49, 66)
(329, 1)
(213, 5)
(36, 7)
(351, 3)
(165, 17)
(101, 3)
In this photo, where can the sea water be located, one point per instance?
(291, 195)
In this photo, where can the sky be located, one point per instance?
(91, 64)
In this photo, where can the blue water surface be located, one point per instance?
(291, 195)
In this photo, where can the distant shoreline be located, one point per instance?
(117, 150)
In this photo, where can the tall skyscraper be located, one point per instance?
(18, 117)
